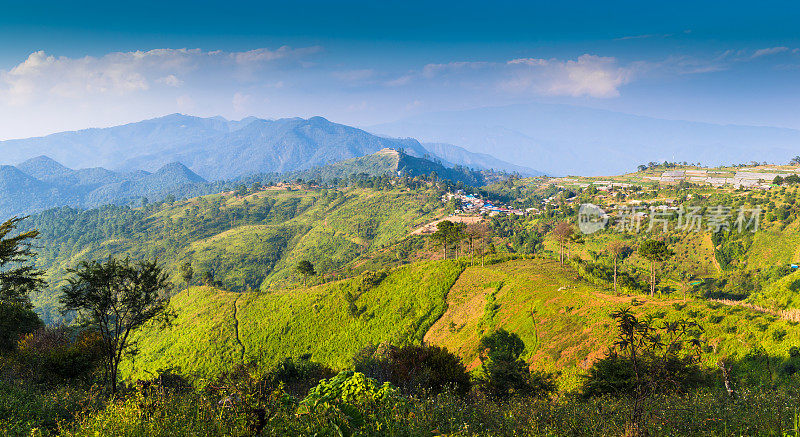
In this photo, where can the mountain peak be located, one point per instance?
(179, 172)
(43, 167)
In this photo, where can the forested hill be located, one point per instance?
(391, 162)
(251, 240)
(41, 183)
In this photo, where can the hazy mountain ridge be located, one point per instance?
(42, 183)
(564, 139)
(219, 149)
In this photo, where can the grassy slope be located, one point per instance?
(246, 252)
(572, 323)
(292, 322)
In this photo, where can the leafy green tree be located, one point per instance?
(16, 320)
(187, 273)
(504, 373)
(17, 279)
(448, 234)
(646, 358)
(306, 269)
(655, 252)
(795, 161)
(115, 297)
(207, 278)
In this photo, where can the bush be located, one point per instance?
(615, 375)
(60, 354)
(646, 359)
(504, 374)
(16, 320)
(415, 369)
(298, 375)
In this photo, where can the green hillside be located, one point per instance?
(247, 242)
(563, 320)
(216, 329)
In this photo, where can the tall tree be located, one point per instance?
(116, 297)
(17, 279)
(619, 250)
(187, 273)
(562, 233)
(448, 234)
(656, 252)
(306, 269)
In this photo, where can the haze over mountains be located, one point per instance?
(40, 183)
(564, 139)
(219, 149)
(192, 156)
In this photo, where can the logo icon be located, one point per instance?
(591, 218)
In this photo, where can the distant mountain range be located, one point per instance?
(40, 183)
(219, 149)
(564, 139)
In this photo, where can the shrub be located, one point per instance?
(16, 320)
(298, 375)
(415, 369)
(60, 354)
(504, 374)
(346, 390)
(646, 359)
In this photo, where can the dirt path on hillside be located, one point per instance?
(236, 324)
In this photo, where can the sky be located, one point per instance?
(74, 65)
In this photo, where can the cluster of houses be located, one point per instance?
(740, 179)
(475, 205)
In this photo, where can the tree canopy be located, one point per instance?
(116, 297)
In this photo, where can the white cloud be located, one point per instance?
(170, 80)
(42, 77)
(769, 51)
(241, 102)
(589, 75)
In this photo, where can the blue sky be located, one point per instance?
(70, 65)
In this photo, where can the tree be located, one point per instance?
(17, 277)
(448, 234)
(503, 373)
(562, 233)
(795, 161)
(16, 321)
(619, 250)
(654, 251)
(645, 359)
(187, 273)
(207, 278)
(115, 297)
(306, 269)
(17, 280)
